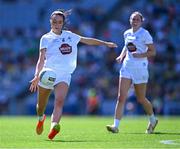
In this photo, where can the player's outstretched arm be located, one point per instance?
(94, 41)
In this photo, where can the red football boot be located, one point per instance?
(54, 131)
(39, 126)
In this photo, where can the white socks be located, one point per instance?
(53, 124)
(40, 118)
(152, 119)
(116, 123)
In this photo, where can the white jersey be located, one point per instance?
(61, 51)
(139, 39)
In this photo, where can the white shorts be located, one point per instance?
(137, 75)
(60, 77)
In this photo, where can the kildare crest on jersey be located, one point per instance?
(65, 49)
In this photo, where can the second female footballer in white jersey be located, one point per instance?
(58, 51)
(137, 48)
(136, 68)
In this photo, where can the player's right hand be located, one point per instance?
(34, 84)
(119, 59)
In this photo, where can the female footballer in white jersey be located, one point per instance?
(138, 47)
(58, 51)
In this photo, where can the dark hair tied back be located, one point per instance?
(61, 12)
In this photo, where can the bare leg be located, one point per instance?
(60, 94)
(140, 90)
(43, 96)
(124, 85)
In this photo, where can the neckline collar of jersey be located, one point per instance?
(56, 34)
(137, 30)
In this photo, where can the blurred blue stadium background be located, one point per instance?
(94, 84)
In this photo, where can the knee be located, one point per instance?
(141, 100)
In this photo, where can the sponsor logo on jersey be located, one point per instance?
(131, 47)
(65, 49)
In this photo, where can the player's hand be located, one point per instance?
(136, 55)
(34, 84)
(111, 45)
(120, 59)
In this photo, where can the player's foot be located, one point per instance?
(112, 128)
(54, 131)
(39, 126)
(151, 127)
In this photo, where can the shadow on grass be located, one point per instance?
(167, 133)
(75, 140)
(155, 133)
(133, 133)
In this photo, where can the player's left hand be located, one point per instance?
(136, 55)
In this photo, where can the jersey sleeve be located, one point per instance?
(43, 43)
(124, 36)
(148, 38)
(76, 38)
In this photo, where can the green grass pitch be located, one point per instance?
(89, 133)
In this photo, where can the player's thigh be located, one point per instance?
(140, 91)
(124, 85)
(61, 90)
(62, 85)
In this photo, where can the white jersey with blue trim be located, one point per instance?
(61, 50)
(138, 42)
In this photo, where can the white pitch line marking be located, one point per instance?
(169, 142)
